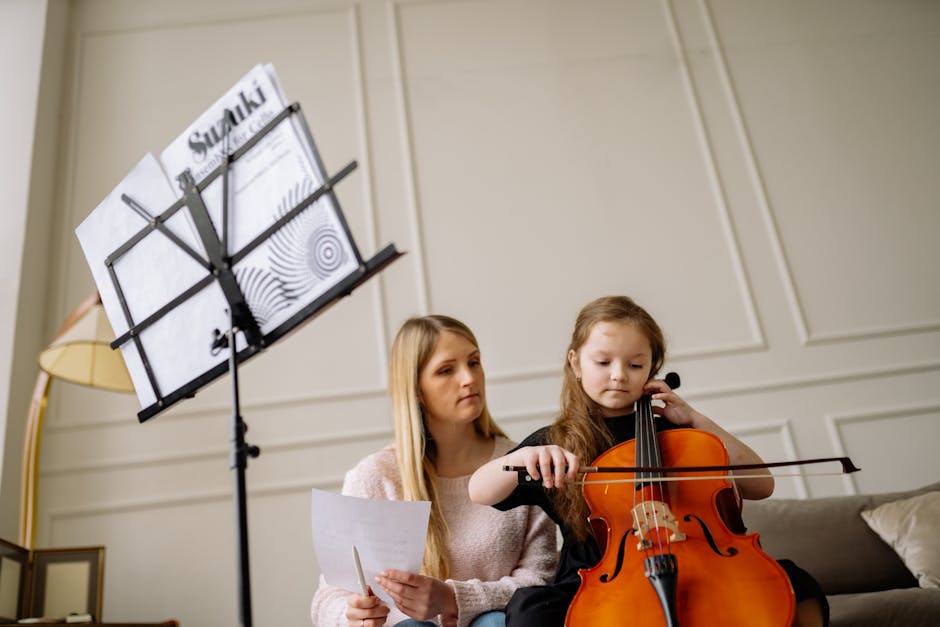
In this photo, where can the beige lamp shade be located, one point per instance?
(82, 354)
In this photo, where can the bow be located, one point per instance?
(847, 468)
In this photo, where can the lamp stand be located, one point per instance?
(33, 439)
(32, 443)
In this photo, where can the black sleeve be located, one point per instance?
(529, 494)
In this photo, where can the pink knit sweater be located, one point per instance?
(491, 552)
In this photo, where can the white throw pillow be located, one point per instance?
(912, 528)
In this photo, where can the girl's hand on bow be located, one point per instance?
(550, 463)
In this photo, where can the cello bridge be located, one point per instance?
(649, 515)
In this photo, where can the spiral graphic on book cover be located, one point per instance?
(264, 293)
(309, 249)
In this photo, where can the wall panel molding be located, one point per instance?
(217, 410)
(836, 425)
(422, 281)
(270, 447)
(803, 326)
(710, 392)
(719, 196)
(757, 180)
(802, 382)
(58, 516)
(782, 430)
(216, 452)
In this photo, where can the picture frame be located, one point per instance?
(67, 580)
(14, 572)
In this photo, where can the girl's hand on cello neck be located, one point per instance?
(673, 408)
(676, 410)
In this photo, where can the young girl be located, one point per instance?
(475, 557)
(616, 351)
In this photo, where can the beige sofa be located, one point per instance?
(865, 580)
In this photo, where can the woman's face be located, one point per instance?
(613, 365)
(452, 383)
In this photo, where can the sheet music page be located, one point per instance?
(312, 252)
(387, 534)
(151, 274)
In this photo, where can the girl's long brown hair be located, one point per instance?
(580, 426)
(414, 450)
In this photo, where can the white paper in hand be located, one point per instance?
(387, 534)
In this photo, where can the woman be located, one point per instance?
(476, 556)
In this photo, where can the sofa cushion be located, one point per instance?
(828, 538)
(910, 527)
(905, 607)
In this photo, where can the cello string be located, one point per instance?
(638, 454)
(734, 486)
(650, 445)
(655, 488)
(639, 503)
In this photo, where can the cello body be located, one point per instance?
(714, 576)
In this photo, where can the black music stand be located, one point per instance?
(221, 272)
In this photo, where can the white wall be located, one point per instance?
(22, 26)
(758, 173)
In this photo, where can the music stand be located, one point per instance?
(243, 291)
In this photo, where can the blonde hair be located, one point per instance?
(580, 426)
(415, 451)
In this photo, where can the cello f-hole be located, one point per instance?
(710, 538)
(607, 578)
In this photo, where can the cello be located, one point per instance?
(675, 552)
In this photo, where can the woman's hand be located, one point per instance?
(365, 611)
(420, 597)
(550, 463)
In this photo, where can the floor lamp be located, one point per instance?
(79, 353)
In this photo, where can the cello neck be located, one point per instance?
(647, 444)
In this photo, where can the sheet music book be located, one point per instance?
(292, 268)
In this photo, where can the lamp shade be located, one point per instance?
(82, 353)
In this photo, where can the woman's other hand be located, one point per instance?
(420, 597)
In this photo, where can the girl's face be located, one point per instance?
(613, 365)
(452, 384)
